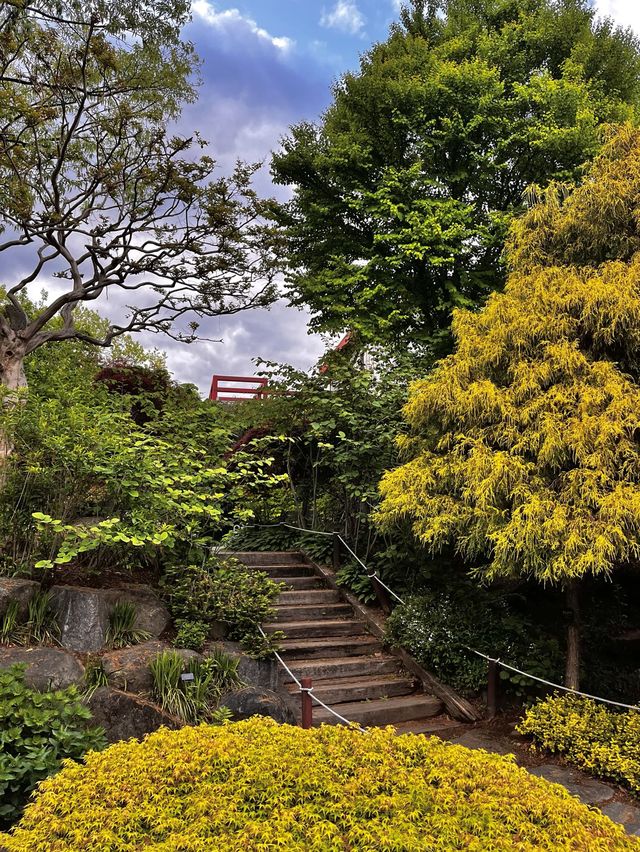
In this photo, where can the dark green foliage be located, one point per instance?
(191, 634)
(37, 732)
(402, 195)
(260, 647)
(435, 628)
(193, 700)
(122, 630)
(223, 591)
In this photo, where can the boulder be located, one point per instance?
(257, 701)
(264, 673)
(83, 617)
(124, 716)
(16, 589)
(47, 668)
(128, 668)
(151, 614)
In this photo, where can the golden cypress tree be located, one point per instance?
(524, 445)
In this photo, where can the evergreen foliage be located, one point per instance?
(523, 449)
(402, 195)
(523, 446)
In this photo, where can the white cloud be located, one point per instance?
(233, 19)
(397, 5)
(624, 12)
(344, 16)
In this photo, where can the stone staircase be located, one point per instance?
(329, 642)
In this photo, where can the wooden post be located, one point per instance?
(382, 596)
(492, 690)
(336, 552)
(307, 703)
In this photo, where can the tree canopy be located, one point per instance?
(97, 195)
(403, 194)
(523, 450)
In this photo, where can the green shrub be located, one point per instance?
(37, 732)
(604, 742)
(434, 627)
(256, 785)
(226, 592)
(191, 634)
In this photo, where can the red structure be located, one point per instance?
(220, 386)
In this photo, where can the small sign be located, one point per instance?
(187, 676)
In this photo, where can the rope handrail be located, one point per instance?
(497, 661)
(309, 690)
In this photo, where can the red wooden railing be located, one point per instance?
(220, 386)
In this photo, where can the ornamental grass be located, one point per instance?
(256, 786)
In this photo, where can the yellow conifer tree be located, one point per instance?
(524, 445)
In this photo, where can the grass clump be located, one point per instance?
(605, 743)
(258, 785)
(192, 697)
(122, 626)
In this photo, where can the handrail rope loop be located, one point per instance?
(486, 657)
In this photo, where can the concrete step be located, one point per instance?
(382, 711)
(347, 646)
(280, 557)
(349, 689)
(310, 629)
(287, 570)
(312, 596)
(301, 583)
(337, 667)
(293, 612)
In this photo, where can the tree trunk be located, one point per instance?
(572, 672)
(13, 379)
(12, 372)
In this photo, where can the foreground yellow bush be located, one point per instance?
(602, 741)
(259, 786)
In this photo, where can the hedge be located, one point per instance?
(255, 786)
(603, 742)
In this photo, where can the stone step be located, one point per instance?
(349, 689)
(310, 629)
(287, 570)
(350, 646)
(382, 711)
(337, 667)
(262, 558)
(301, 583)
(311, 596)
(314, 611)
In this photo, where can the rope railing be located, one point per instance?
(494, 662)
(308, 690)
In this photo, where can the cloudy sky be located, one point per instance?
(266, 65)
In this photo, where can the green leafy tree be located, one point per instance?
(95, 192)
(403, 194)
(523, 450)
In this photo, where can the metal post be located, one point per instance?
(307, 703)
(336, 552)
(492, 689)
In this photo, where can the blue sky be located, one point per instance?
(268, 64)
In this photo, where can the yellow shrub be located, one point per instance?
(603, 742)
(258, 786)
